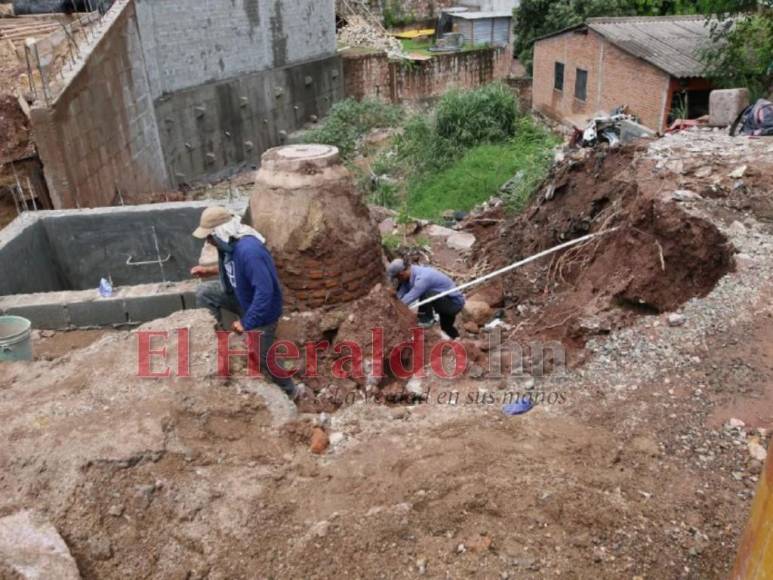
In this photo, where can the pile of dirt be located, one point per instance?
(654, 257)
(14, 126)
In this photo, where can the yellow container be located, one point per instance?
(755, 555)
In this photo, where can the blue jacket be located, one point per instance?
(426, 282)
(249, 272)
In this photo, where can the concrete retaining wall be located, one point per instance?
(178, 91)
(188, 44)
(210, 130)
(100, 136)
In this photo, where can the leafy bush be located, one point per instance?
(485, 115)
(482, 171)
(349, 120)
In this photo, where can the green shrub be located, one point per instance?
(349, 120)
(485, 115)
(481, 172)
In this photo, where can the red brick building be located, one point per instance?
(650, 64)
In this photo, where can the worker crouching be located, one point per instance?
(420, 283)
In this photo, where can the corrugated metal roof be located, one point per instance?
(479, 15)
(671, 43)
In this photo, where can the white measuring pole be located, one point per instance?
(513, 266)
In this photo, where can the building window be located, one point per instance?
(581, 84)
(558, 77)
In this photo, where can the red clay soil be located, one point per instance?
(657, 258)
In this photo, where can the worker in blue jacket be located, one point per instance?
(248, 284)
(419, 283)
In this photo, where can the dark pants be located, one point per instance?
(213, 297)
(447, 309)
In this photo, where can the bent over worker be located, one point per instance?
(248, 284)
(418, 283)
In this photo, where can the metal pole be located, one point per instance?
(42, 76)
(514, 266)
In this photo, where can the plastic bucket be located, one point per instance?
(15, 343)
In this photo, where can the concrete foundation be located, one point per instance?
(53, 262)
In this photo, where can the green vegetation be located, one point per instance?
(417, 45)
(350, 120)
(395, 15)
(482, 170)
(742, 55)
(450, 158)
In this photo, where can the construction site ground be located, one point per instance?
(634, 471)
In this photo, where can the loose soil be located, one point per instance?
(630, 472)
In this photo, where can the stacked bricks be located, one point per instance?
(326, 248)
(370, 74)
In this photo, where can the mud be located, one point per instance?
(655, 257)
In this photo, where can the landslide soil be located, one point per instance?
(631, 473)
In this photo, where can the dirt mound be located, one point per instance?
(14, 126)
(654, 257)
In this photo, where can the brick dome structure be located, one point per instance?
(327, 249)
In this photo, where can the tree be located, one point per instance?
(741, 54)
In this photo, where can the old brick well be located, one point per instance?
(327, 249)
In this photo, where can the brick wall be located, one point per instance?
(100, 136)
(614, 78)
(369, 75)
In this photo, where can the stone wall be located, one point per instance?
(614, 78)
(370, 75)
(99, 136)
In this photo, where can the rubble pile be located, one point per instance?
(654, 256)
(359, 33)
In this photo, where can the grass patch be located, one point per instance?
(417, 45)
(481, 172)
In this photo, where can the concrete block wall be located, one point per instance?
(614, 78)
(99, 136)
(370, 76)
(188, 44)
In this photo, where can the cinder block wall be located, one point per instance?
(188, 43)
(100, 135)
(614, 78)
(371, 75)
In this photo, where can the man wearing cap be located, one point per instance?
(418, 283)
(248, 285)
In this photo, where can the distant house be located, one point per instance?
(483, 28)
(651, 64)
(490, 5)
